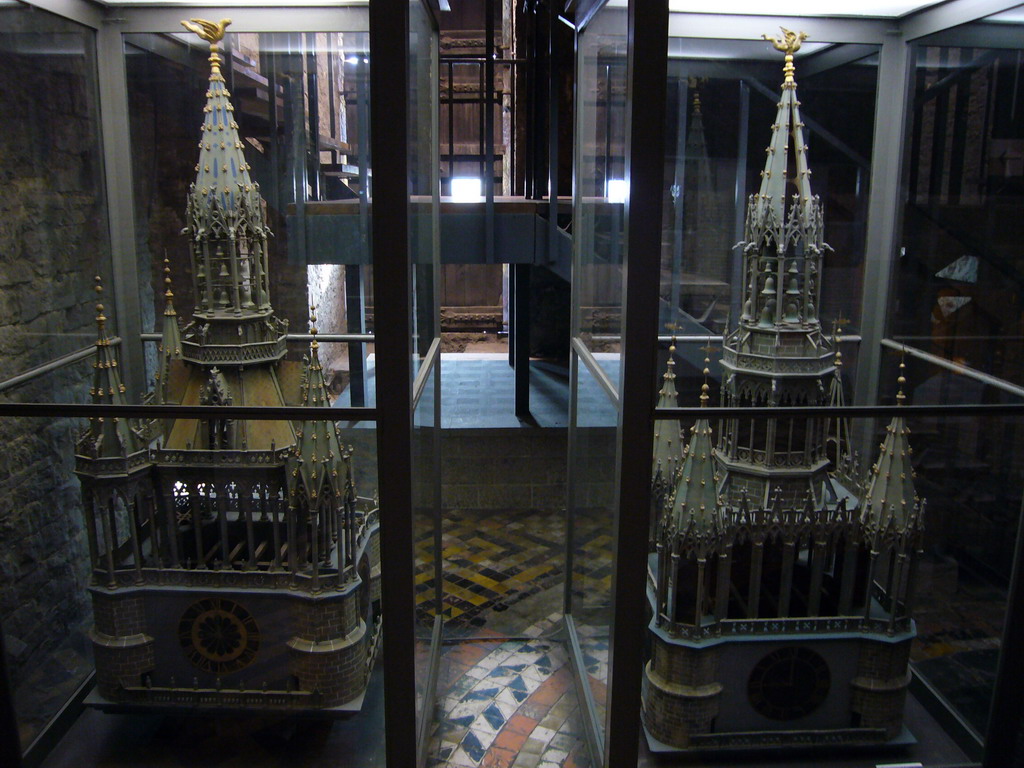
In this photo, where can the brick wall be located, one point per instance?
(880, 688)
(328, 653)
(680, 692)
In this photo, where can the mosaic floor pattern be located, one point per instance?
(499, 568)
(508, 704)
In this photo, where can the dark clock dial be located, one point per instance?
(218, 635)
(789, 683)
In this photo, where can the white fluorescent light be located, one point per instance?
(617, 190)
(466, 189)
(875, 8)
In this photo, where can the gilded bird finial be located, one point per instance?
(212, 32)
(788, 43)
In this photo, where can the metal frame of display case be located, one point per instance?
(649, 25)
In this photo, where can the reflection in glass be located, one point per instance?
(54, 238)
(717, 111)
(958, 273)
(54, 241)
(600, 213)
(424, 348)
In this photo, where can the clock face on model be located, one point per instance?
(218, 635)
(788, 683)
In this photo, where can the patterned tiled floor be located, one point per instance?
(504, 570)
(508, 704)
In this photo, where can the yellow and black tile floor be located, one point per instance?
(505, 570)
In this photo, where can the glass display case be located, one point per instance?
(778, 505)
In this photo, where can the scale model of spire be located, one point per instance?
(769, 564)
(695, 506)
(227, 233)
(170, 341)
(320, 473)
(668, 435)
(891, 499)
(107, 437)
(782, 244)
(777, 355)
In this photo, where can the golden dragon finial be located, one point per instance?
(788, 43)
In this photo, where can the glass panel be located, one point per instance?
(309, 154)
(592, 506)
(599, 219)
(426, 509)
(423, 181)
(424, 335)
(957, 283)
(722, 98)
(54, 238)
(600, 192)
(54, 241)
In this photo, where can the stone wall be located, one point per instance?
(53, 240)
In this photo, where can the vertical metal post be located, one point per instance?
(511, 315)
(679, 199)
(355, 318)
(389, 90)
(884, 213)
(295, 125)
(645, 169)
(736, 276)
(1004, 718)
(313, 131)
(552, 126)
(487, 104)
(521, 277)
(113, 109)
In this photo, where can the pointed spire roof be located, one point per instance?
(107, 437)
(225, 223)
(891, 498)
(783, 234)
(668, 434)
(170, 339)
(696, 507)
(318, 462)
(787, 127)
(222, 173)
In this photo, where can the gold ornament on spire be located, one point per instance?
(101, 319)
(788, 43)
(901, 379)
(168, 293)
(704, 388)
(312, 326)
(213, 33)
